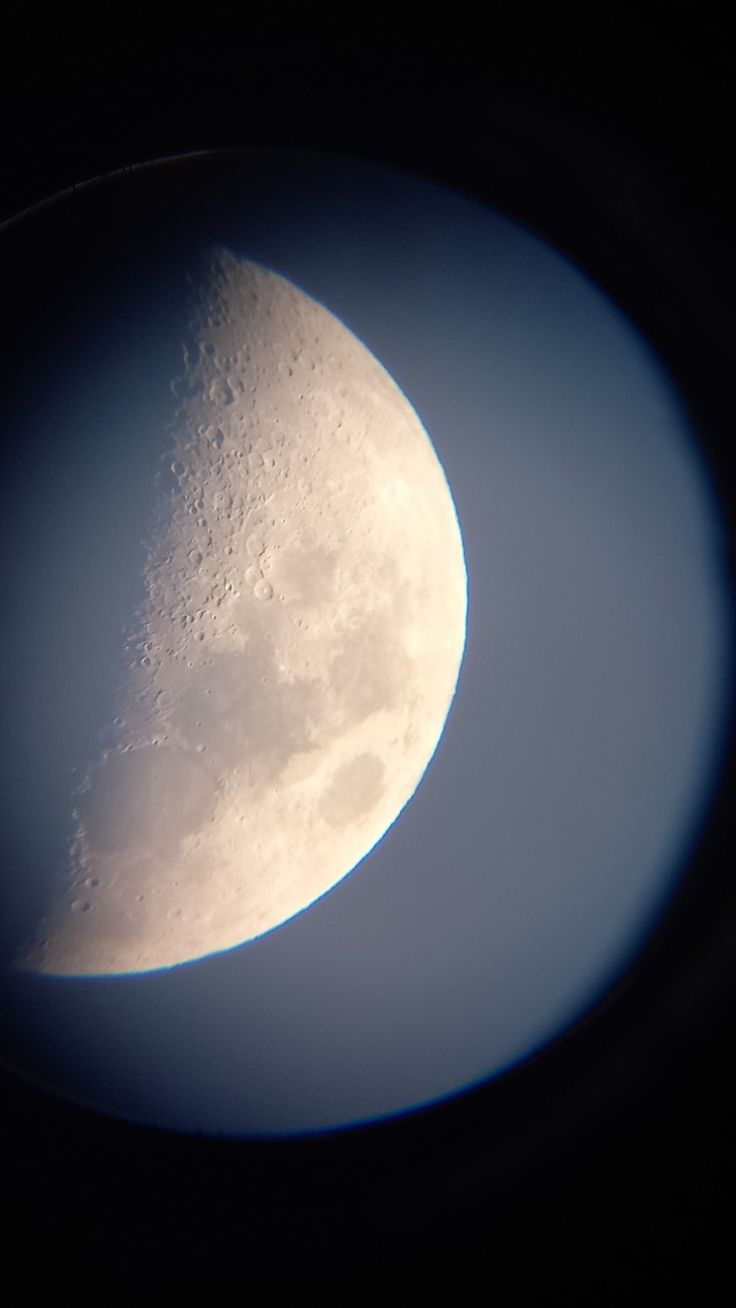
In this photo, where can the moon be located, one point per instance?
(288, 676)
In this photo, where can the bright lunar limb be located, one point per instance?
(294, 662)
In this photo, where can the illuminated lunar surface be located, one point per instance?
(290, 673)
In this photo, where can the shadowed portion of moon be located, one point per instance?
(290, 672)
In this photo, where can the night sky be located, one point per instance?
(551, 827)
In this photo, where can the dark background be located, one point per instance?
(604, 1171)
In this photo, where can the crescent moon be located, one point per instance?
(291, 670)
